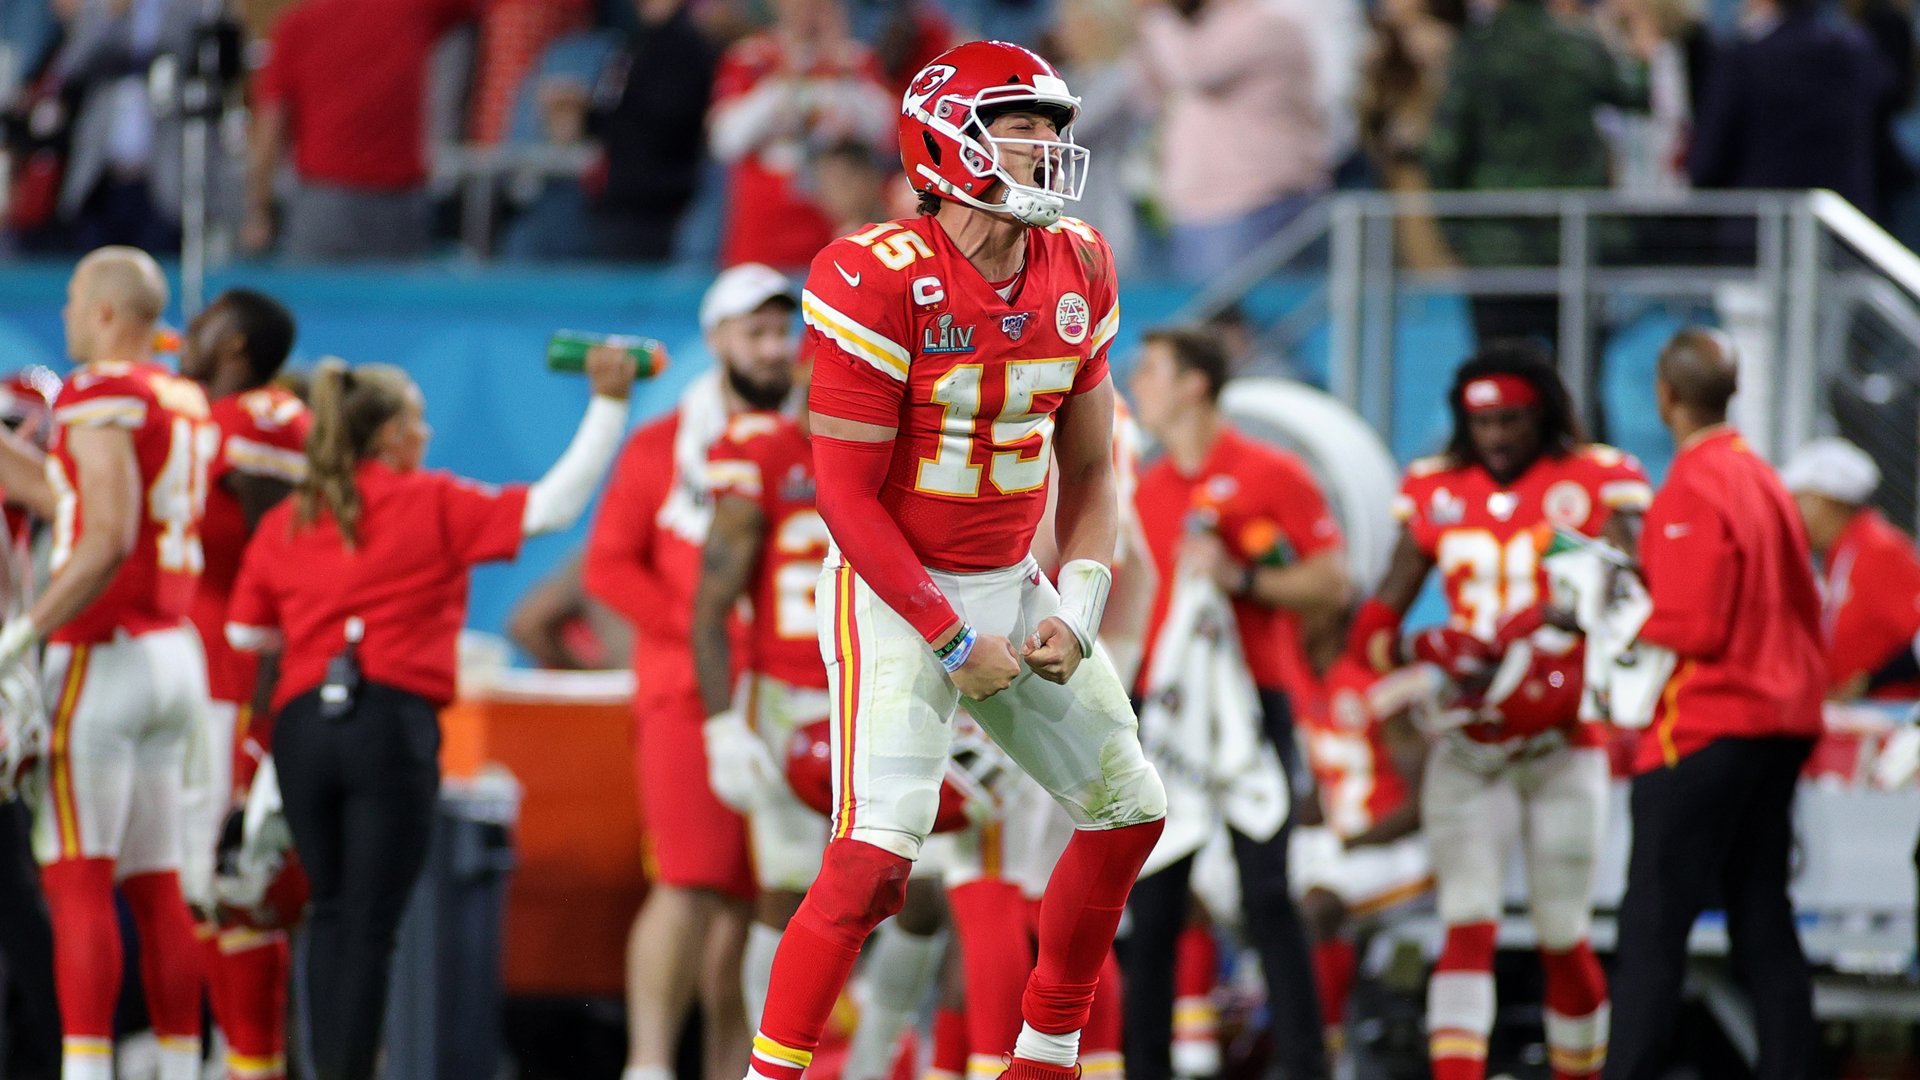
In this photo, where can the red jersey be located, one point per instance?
(419, 535)
(1347, 750)
(173, 442)
(1726, 562)
(1482, 534)
(906, 334)
(1267, 508)
(765, 458)
(263, 433)
(1870, 593)
(771, 217)
(643, 556)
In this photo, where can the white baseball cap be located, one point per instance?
(1834, 468)
(740, 290)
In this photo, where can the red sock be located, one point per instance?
(248, 982)
(1334, 964)
(1460, 1003)
(996, 956)
(1196, 1019)
(1196, 962)
(86, 950)
(1100, 1053)
(170, 957)
(949, 1044)
(859, 885)
(1078, 915)
(1577, 1014)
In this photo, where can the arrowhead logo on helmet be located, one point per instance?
(947, 150)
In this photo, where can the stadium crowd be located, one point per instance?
(719, 131)
(905, 561)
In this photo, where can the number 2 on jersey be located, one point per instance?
(951, 471)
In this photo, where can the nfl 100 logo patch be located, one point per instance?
(1015, 325)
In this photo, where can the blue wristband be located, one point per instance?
(954, 656)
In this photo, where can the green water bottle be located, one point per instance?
(567, 351)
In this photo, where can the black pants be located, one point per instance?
(360, 795)
(32, 1038)
(1158, 909)
(1717, 826)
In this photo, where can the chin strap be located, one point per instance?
(1026, 207)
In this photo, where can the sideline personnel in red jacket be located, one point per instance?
(1725, 559)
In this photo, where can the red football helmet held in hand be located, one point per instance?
(810, 765)
(1538, 684)
(1461, 655)
(945, 147)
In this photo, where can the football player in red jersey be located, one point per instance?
(1516, 466)
(233, 349)
(124, 486)
(643, 560)
(765, 545)
(955, 356)
(1356, 850)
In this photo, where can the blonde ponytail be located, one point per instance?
(349, 407)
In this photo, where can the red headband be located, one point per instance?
(1498, 392)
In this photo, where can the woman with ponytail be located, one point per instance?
(360, 582)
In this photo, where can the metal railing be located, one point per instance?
(1363, 292)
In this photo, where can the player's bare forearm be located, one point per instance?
(1403, 821)
(23, 476)
(1316, 585)
(726, 571)
(109, 491)
(1407, 754)
(537, 622)
(1087, 514)
(263, 156)
(1406, 573)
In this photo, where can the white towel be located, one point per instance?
(1200, 726)
(687, 510)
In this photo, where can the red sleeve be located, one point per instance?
(854, 310)
(253, 602)
(849, 477)
(1692, 569)
(1302, 511)
(262, 434)
(1105, 302)
(618, 568)
(1410, 509)
(480, 522)
(274, 84)
(734, 468)
(740, 68)
(1895, 590)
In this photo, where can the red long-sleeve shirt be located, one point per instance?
(640, 565)
(1872, 602)
(1727, 564)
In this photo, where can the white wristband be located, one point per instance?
(16, 637)
(1084, 585)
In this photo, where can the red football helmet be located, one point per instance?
(810, 775)
(26, 403)
(1538, 684)
(945, 147)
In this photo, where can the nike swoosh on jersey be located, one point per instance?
(852, 280)
(1678, 530)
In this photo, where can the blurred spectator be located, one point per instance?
(1518, 113)
(852, 179)
(1243, 142)
(1337, 32)
(653, 128)
(1869, 573)
(1400, 83)
(782, 97)
(1889, 25)
(912, 34)
(513, 34)
(122, 181)
(1246, 353)
(344, 87)
(1093, 48)
(1650, 148)
(1793, 102)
